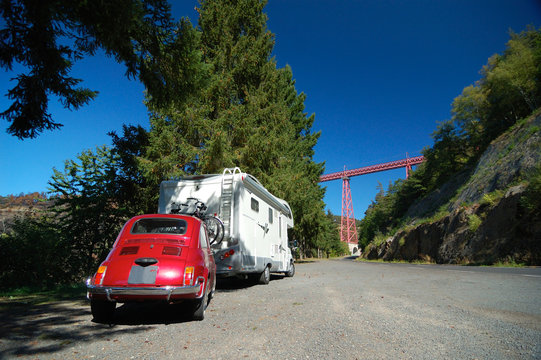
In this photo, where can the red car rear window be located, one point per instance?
(159, 226)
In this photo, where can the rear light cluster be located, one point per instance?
(227, 254)
(188, 276)
(98, 279)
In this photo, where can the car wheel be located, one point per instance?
(199, 307)
(102, 310)
(211, 294)
(291, 271)
(264, 278)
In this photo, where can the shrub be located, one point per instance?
(531, 200)
(491, 198)
(474, 222)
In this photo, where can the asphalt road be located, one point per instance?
(333, 309)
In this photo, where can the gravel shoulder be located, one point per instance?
(331, 309)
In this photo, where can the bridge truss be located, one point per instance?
(348, 230)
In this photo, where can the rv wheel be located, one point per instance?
(264, 278)
(291, 271)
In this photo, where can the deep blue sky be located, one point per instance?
(378, 76)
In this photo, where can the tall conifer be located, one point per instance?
(248, 114)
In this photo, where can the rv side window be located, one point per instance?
(270, 215)
(280, 227)
(255, 205)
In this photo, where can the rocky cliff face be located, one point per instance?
(485, 221)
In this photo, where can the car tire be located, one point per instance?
(264, 277)
(211, 294)
(291, 270)
(199, 307)
(102, 310)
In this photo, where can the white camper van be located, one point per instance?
(255, 222)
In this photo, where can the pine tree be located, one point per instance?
(47, 37)
(87, 212)
(248, 115)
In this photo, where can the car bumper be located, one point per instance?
(166, 293)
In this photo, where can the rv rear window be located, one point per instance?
(159, 226)
(255, 205)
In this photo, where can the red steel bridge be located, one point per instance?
(348, 230)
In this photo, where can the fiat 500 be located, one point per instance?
(156, 258)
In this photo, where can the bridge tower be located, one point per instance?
(348, 229)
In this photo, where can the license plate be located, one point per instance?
(143, 275)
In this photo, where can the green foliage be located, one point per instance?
(376, 218)
(508, 91)
(492, 198)
(474, 221)
(31, 295)
(509, 262)
(327, 239)
(134, 192)
(531, 201)
(379, 239)
(47, 37)
(86, 211)
(243, 112)
(247, 114)
(438, 215)
(385, 214)
(33, 254)
(92, 197)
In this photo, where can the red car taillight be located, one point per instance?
(188, 276)
(98, 279)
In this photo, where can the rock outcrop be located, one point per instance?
(485, 221)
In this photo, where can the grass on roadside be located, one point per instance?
(506, 263)
(421, 262)
(33, 296)
(306, 260)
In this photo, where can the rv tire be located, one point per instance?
(264, 277)
(291, 270)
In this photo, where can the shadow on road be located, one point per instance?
(234, 284)
(34, 330)
(153, 313)
(49, 328)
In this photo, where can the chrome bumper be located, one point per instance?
(162, 292)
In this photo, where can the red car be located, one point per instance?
(156, 257)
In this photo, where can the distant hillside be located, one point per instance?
(487, 214)
(13, 206)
